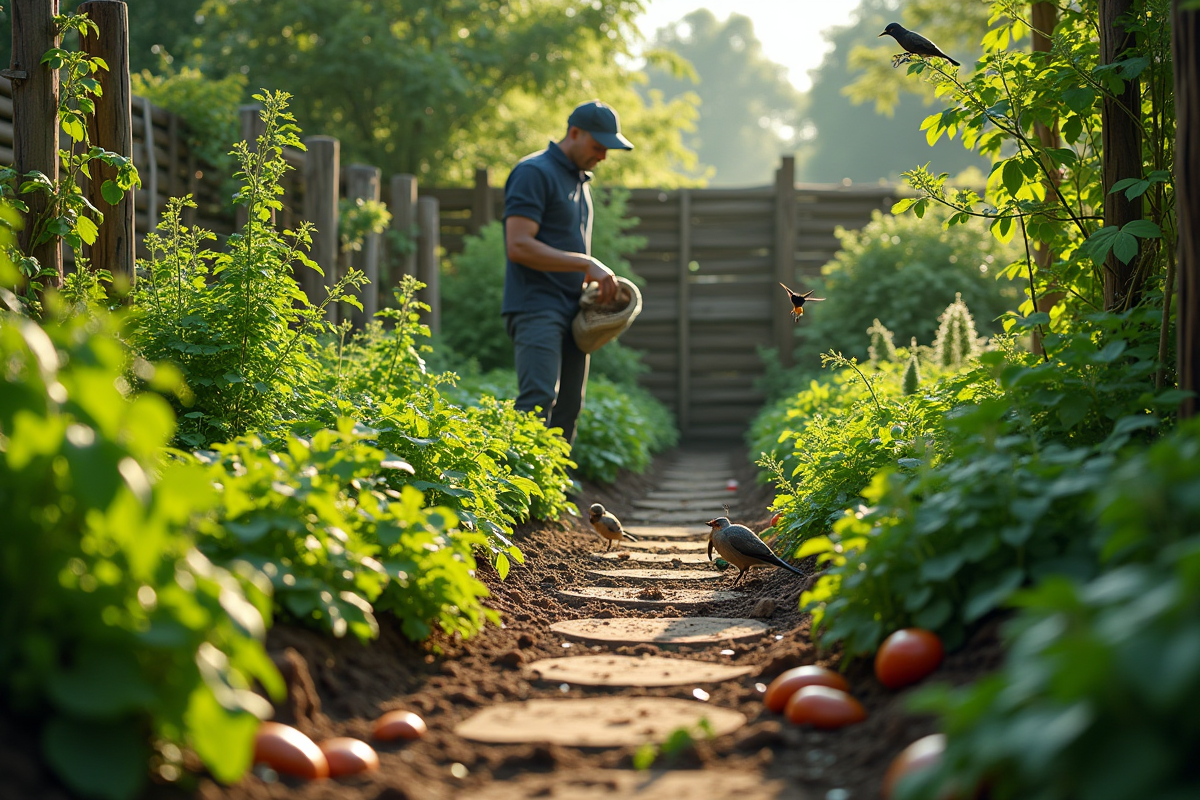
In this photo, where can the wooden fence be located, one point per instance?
(712, 264)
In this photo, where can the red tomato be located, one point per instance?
(775, 519)
(824, 707)
(349, 756)
(287, 750)
(907, 656)
(398, 725)
(919, 756)
(787, 684)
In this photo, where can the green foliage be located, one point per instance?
(955, 342)
(341, 538)
(358, 219)
(209, 106)
(473, 280)
(66, 214)
(236, 322)
(442, 88)
(894, 269)
(883, 342)
(911, 381)
(1024, 444)
(1096, 697)
(750, 113)
(113, 627)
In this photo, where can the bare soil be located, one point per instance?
(337, 687)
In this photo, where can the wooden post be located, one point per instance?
(362, 180)
(252, 126)
(428, 243)
(683, 402)
(481, 202)
(1122, 150)
(404, 219)
(151, 182)
(1045, 17)
(111, 127)
(1185, 46)
(173, 154)
(785, 257)
(193, 186)
(35, 116)
(321, 169)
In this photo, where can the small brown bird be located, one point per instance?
(798, 301)
(741, 547)
(608, 526)
(915, 43)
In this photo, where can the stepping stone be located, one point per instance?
(693, 495)
(693, 478)
(594, 721)
(669, 531)
(667, 545)
(630, 596)
(628, 784)
(647, 671)
(649, 575)
(707, 504)
(674, 517)
(680, 485)
(662, 630)
(653, 558)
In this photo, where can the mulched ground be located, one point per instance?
(337, 687)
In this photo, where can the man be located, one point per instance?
(548, 240)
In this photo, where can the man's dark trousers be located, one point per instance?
(551, 369)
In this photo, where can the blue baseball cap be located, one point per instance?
(601, 122)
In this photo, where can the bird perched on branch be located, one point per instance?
(798, 301)
(915, 43)
(608, 526)
(741, 547)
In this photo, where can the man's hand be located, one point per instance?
(524, 248)
(603, 276)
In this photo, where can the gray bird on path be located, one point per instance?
(915, 43)
(741, 547)
(608, 526)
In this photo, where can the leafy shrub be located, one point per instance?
(944, 545)
(113, 627)
(240, 330)
(1096, 697)
(321, 518)
(895, 269)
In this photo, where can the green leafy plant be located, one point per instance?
(340, 538)
(67, 214)
(114, 629)
(236, 322)
(883, 342)
(955, 342)
(677, 742)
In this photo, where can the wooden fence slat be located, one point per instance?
(362, 181)
(785, 248)
(321, 170)
(683, 399)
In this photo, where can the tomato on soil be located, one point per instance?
(824, 707)
(907, 656)
(398, 725)
(790, 682)
(287, 750)
(349, 756)
(919, 756)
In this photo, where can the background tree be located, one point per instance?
(438, 89)
(749, 112)
(851, 139)
(1186, 52)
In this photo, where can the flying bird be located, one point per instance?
(798, 301)
(608, 526)
(915, 43)
(741, 547)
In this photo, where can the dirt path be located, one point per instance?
(338, 687)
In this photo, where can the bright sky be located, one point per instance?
(790, 30)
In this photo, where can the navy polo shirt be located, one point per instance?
(550, 190)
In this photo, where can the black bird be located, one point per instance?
(915, 43)
(798, 301)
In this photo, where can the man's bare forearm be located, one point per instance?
(538, 255)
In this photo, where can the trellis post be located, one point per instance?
(321, 170)
(362, 181)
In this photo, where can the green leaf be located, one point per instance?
(223, 739)
(1142, 229)
(1013, 176)
(1125, 248)
(106, 760)
(988, 594)
(111, 193)
(502, 565)
(101, 684)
